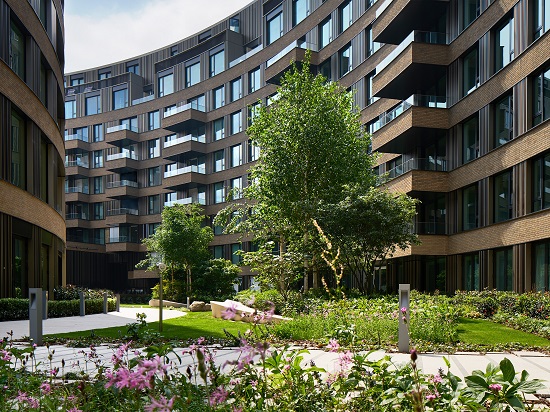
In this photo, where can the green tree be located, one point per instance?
(214, 280)
(181, 240)
(367, 228)
(312, 149)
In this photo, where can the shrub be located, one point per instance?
(14, 309)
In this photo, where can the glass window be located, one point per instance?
(541, 267)
(131, 124)
(153, 148)
(372, 46)
(218, 129)
(470, 140)
(218, 252)
(153, 176)
(344, 58)
(219, 192)
(154, 205)
(470, 11)
(236, 155)
(70, 109)
(82, 133)
(470, 272)
(219, 97)
(325, 70)
(17, 51)
(104, 75)
(43, 84)
(274, 25)
(300, 10)
(154, 120)
(253, 152)
(198, 103)
(504, 270)
(133, 68)
(98, 185)
(236, 258)
(541, 17)
(504, 45)
(325, 33)
(192, 74)
(98, 158)
(18, 151)
(469, 208)
(99, 211)
(502, 196)
(470, 72)
(44, 169)
(235, 24)
(93, 105)
(346, 15)
(219, 161)
(77, 81)
(541, 97)
(541, 183)
(254, 80)
(98, 133)
(236, 122)
(120, 99)
(253, 111)
(236, 89)
(217, 63)
(237, 188)
(504, 120)
(166, 85)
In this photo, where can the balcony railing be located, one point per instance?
(122, 183)
(187, 169)
(121, 127)
(124, 239)
(416, 36)
(429, 228)
(431, 163)
(184, 139)
(85, 239)
(179, 109)
(81, 215)
(123, 155)
(201, 200)
(122, 211)
(439, 102)
(290, 47)
(80, 137)
(77, 189)
(246, 56)
(77, 162)
(383, 7)
(143, 99)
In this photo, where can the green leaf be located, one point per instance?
(477, 383)
(507, 369)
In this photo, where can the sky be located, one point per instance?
(99, 32)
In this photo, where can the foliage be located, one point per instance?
(369, 227)
(14, 309)
(181, 240)
(72, 292)
(215, 280)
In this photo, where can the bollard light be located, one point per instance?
(161, 267)
(404, 304)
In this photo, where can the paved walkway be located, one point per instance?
(78, 359)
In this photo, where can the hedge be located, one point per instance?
(18, 309)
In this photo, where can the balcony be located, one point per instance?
(185, 177)
(122, 162)
(124, 244)
(429, 228)
(188, 146)
(122, 216)
(416, 64)
(76, 215)
(122, 188)
(122, 135)
(276, 66)
(77, 167)
(246, 56)
(77, 194)
(143, 99)
(201, 200)
(188, 116)
(395, 19)
(122, 211)
(417, 175)
(417, 119)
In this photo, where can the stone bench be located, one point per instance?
(243, 312)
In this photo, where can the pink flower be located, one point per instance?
(437, 379)
(161, 405)
(46, 388)
(74, 410)
(403, 310)
(201, 340)
(218, 396)
(230, 312)
(495, 387)
(333, 345)
(430, 397)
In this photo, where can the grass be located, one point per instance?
(191, 326)
(481, 331)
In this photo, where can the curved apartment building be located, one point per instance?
(455, 93)
(32, 225)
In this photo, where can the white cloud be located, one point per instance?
(92, 42)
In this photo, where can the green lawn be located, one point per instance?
(481, 331)
(191, 326)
